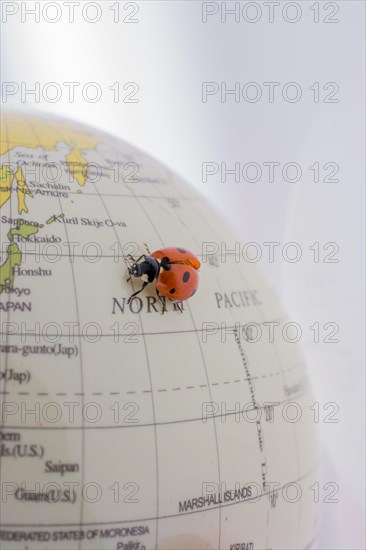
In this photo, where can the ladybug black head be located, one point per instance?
(135, 270)
(149, 267)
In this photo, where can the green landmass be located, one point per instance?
(23, 229)
(54, 218)
(7, 275)
(13, 253)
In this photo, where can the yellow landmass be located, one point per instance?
(22, 191)
(77, 165)
(6, 181)
(33, 132)
(7, 177)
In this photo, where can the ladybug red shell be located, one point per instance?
(175, 270)
(177, 255)
(178, 279)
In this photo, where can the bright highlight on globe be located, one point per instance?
(149, 423)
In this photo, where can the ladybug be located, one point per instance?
(174, 269)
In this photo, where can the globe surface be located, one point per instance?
(123, 427)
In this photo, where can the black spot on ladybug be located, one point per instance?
(181, 250)
(194, 292)
(186, 276)
(171, 291)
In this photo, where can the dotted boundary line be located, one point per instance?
(176, 388)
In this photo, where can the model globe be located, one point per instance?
(140, 424)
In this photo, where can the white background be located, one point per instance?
(169, 52)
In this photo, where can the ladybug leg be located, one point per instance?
(129, 256)
(178, 307)
(137, 291)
